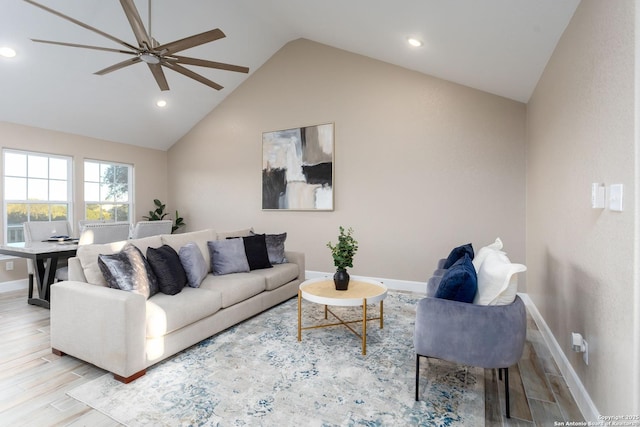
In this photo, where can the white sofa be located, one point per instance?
(124, 333)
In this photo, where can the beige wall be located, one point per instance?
(421, 164)
(581, 261)
(150, 169)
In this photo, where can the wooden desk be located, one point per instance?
(45, 256)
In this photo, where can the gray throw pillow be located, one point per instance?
(228, 256)
(275, 247)
(193, 263)
(129, 270)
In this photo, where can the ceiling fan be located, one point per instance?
(149, 51)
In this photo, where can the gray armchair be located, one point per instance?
(490, 337)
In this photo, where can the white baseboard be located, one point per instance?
(579, 393)
(14, 285)
(391, 284)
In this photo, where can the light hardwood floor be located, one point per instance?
(34, 382)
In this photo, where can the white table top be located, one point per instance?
(323, 291)
(41, 247)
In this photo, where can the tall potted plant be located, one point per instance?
(159, 214)
(343, 252)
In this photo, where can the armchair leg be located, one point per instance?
(506, 388)
(417, 375)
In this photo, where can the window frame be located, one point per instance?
(130, 189)
(49, 202)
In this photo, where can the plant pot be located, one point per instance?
(341, 280)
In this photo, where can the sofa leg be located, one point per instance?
(57, 352)
(130, 378)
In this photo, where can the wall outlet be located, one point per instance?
(9, 265)
(585, 354)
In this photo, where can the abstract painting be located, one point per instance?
(297, 168)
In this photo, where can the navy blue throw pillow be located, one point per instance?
(460, 282)
(255, 247)
(457, 253)
(165, 263)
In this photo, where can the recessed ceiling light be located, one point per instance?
(161, 103)
(414, 42)
(7, 52)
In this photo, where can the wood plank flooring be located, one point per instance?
(34, 382)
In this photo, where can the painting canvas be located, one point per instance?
(297, 168)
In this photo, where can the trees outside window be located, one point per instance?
(108, 191)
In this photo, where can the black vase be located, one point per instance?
(341, 280)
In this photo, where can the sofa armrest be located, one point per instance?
(297, 258)
(103, 326)
(469, 334)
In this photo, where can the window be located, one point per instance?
(37, 187)
(108, 191)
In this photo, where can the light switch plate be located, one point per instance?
(615, 197)
(597, 196)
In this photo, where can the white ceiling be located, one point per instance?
(498, 46)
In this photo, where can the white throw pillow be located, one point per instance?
(497, 280)
(484, 251)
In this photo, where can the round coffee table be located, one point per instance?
(360, 293)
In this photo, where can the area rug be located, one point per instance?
(258, 374)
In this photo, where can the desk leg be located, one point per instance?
(364, 326)
(299, 315)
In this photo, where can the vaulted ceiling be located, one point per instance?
(498, 46)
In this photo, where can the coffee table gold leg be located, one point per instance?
(364, 326)
(299, 315)
(381, 314)
(325, 312)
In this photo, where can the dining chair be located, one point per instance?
(104, 232)
(151, 228)
(38, 231)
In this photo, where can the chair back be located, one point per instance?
(84, 222)
(104, 232)
(151, 228)
(37, 231)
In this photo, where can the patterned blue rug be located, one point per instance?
(258, 374)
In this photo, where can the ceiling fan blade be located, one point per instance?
(118, 66)
(189, 42)
(158, 74)
(180, 69)
(82, 24)
(84, 46)
(210, 64)
(136, 23)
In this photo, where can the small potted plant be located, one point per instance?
(343, 253)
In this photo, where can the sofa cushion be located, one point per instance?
(457, 253)
(166, 265)
(497, 280)
(255, 248)
(279, 275)
(194, 264)
(129, 270)
(234, 288)
(275, 247)
(459, 283)
(168, 313)
(484, 251)
(88, 255)
(200, 238)
(228, 256)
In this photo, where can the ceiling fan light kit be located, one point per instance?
(149, 51)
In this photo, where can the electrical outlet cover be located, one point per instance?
(615, 197)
